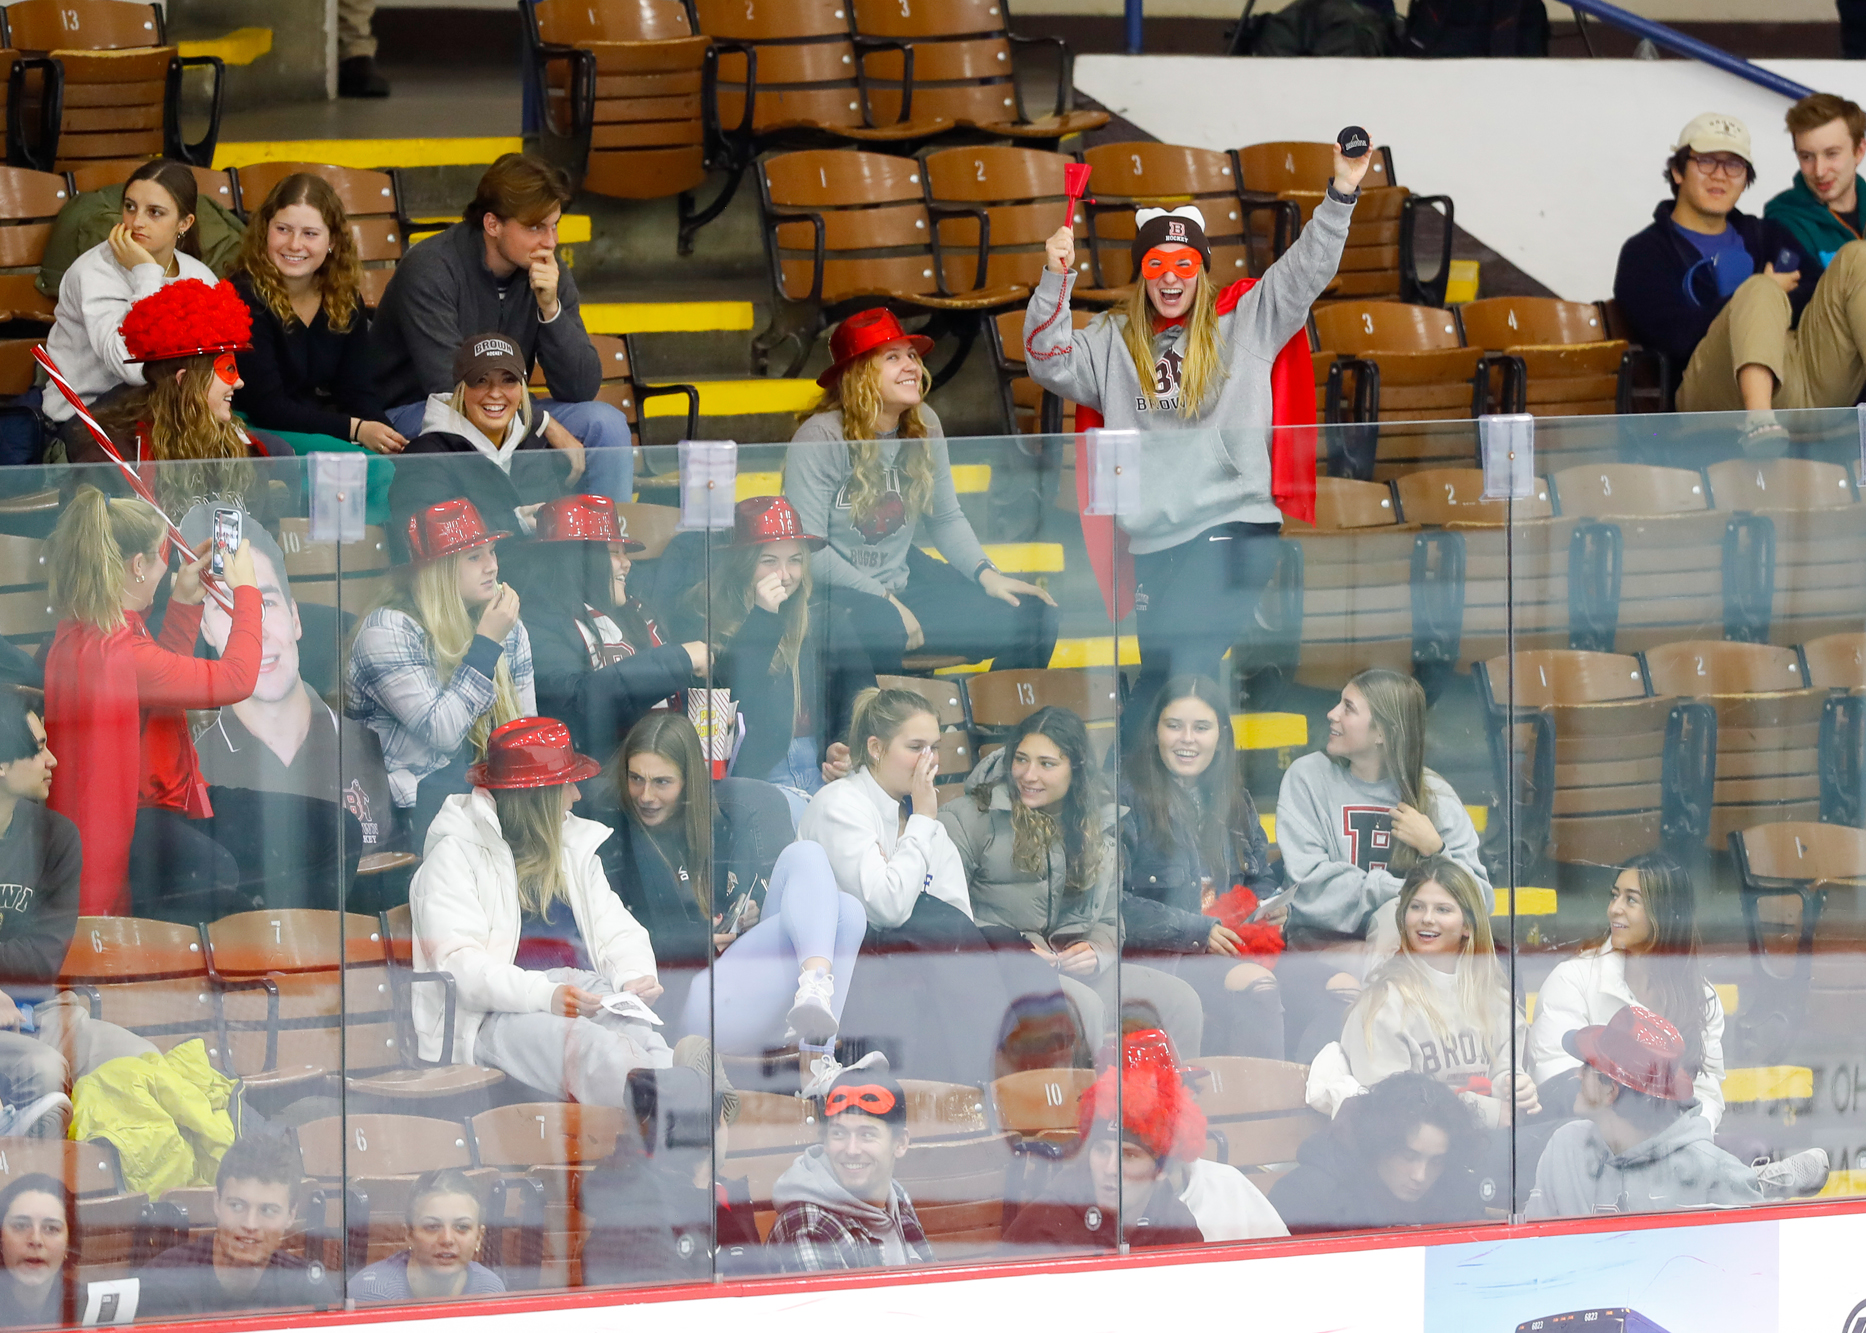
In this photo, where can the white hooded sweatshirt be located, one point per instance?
(464, 899)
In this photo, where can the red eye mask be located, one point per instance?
(870, 1097)
(1157, 263)
(226, 369)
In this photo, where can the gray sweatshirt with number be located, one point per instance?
(872, 558)
(1217, 470)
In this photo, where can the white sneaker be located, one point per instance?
(812, 1022)
(1794, 1176)
(817, 1071)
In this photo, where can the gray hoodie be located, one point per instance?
(1679, 1167)
(1218, 469)
(873, 560)
(1002, 895)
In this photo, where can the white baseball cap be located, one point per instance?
(1714, 132)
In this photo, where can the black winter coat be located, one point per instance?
(1161, 902)
(441, 466)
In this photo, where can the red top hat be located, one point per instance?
(188, 318)
(585, 518)
(769, 518)
(1156, 1108)
(448, 528)
(531, 752)
(1637, 1049)
(861, 333)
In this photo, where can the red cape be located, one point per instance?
(93, 723)
(1292, 461)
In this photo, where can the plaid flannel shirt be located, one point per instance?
(811, 1238)
(392, 688)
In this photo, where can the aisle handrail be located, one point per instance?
(1673, 40)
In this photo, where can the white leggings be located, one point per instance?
(805, 916)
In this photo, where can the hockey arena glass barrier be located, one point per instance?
(1190, 932)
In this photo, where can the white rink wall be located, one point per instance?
(1552, 163)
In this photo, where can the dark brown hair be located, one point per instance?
(1817, 109)
(179, 182)
(520, 187)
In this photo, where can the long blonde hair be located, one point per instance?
(339, 277)
(207, 458)
(532, 822)
(1483, 994)
(856, 394)
(727, 598)
(1201, 349)
(87, 551)
(881, 714)
(430, 595)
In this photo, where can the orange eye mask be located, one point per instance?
(1182, 263)
(226, 369)
(870, 1097)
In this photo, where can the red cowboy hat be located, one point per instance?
(1637, 1049)
(585, 518)
(861, 333)
(188, 318)
(447, 528)
(531, 752)
(769, 518)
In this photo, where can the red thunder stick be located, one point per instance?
(1075, 184)
(213, 585)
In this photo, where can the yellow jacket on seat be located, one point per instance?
(166, 1114)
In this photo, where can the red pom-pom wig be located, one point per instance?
(188, 318)
(1157, 1109)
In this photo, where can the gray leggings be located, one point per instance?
(585, 1059)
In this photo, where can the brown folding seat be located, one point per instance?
(119, 78)
(1029, 409)
(1665, 566)
(26, 615)
(1515, 563)
(549, 1147)
(1570, 367)
(847, 229)
(1581, 743)
(1769, 727)
(1836, 661)
(351, 576)
(148, 976)
(955, 60)
(216, 185)
(1006, 201)
(1001, 699)
(770, 1133)
(958, 1188)
(1353, 584)
(1039, 1104)
(1402, 364)
(622, 391)
(1128, 176)
(1256, 1112)
(1807, 881)
(795, 61)
(1819, 533)
(29, 203)
(1378, 260)
(652, 525)
(372, 204)
(109, 1212)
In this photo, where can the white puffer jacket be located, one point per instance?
(465, 905)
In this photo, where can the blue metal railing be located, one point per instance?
(1133, 27)
(1672, 40)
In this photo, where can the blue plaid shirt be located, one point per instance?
(391, 687)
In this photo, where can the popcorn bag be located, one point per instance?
(715, 715)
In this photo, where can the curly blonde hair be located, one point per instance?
(856, 394)
(340, 276)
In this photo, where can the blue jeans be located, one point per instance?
(799, 775)
(609, 464)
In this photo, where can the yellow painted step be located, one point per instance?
(1015, 557)
(967, 479)
(373, 153)
(732, 398)
(1768, 1083)
(618, 317)
(242, 46)
(1529, 902)
(1269, 731)
(1843, 1185)
(572, 229)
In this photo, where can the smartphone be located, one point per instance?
(227, 530)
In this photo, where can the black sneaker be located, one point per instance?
(357, 77)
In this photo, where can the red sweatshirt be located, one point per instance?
(116, 716)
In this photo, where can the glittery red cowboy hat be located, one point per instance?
(531, 752)
(861, 333)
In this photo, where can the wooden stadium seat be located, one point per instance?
(938, 1112)
(946, 694)
(805, 76)
(551, 1145)
(1836, 661)
(29, 202)
(1581, 743)
(1818, 532)
(118, 79)
(621, 390)
(772, 1129)
(148, 976)
(1570, 366)
(652, 525)
(958, 1188)
(375, 1159)
(1256, 1112)
(1006, 201)
(1769, 727)
(353, 576)
(847, 229)
(1128, 176)
(1002, 699)
(109, 1212)
(1823, 868)
(1028, 408)
(1515, 582)
(372, 205)
(954, 60)
(25, 608)
(1039, 1102)
(1683, 570)
(415, 1080)
(1351, 582)
(216, 185)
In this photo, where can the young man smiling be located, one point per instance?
(839, 1205)
(1822, 207)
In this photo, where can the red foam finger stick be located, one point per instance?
(1075, 184)
(214, 585)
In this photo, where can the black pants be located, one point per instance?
(1852, 28)
(956, 616)
(1201, 598)
(259, 849)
